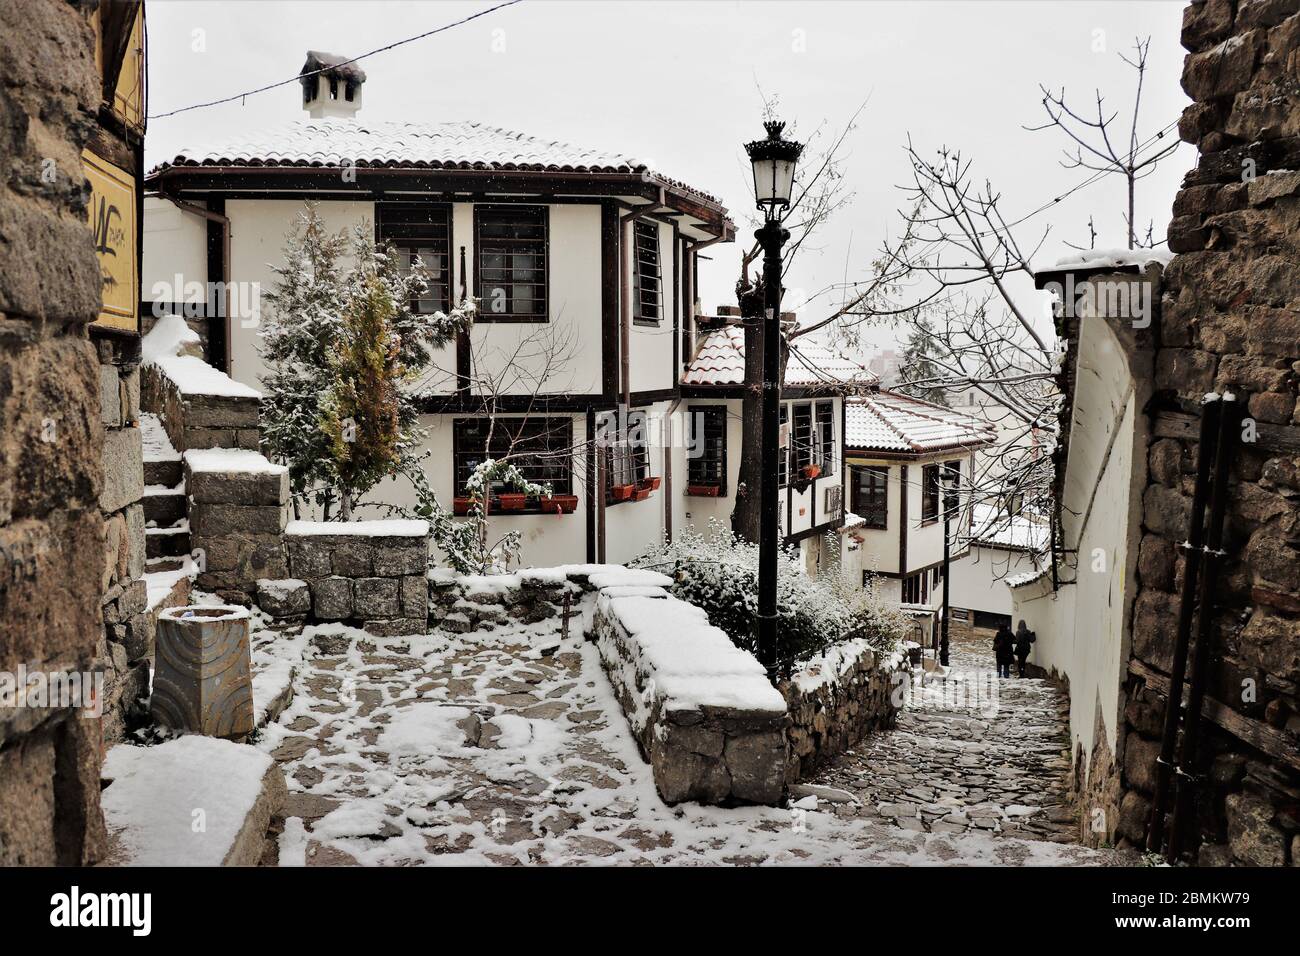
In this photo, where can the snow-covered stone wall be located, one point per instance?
(836, 699)
(702, 710)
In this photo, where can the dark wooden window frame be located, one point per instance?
(645, 241)
(485, 313)
(929, 494)
(783, 454)
(625, 461)
(388, 230)
(556, 429)
(871, 497)
(801, 449)
(824, 429)
(711, 467)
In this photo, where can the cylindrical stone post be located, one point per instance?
(203, 672)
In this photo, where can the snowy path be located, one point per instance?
(509, 748)
(970, 753)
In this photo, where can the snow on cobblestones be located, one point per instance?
(482, 749)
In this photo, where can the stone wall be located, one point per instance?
(838, 698)
(127, 647)
(701, 710)
(198, 420)
(368, 573)
(51, 451)
(1231, 321)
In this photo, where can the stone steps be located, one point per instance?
(164, 505)
(168, 542)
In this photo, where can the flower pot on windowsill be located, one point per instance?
(641, 493)
(461, 506)
(622, 492)
(651, 483)
(559, 504)
(704, 491)
(511, 501)
(812, 471)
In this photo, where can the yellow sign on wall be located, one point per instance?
(112, 222)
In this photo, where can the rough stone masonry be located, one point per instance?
(1231, 321)
(52, 537)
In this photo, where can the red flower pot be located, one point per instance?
(461, 506)
(622, 492)
(642, 493)
(513, 502)
(651, 483)
(812, 471)
(560, 504)
(704, 491)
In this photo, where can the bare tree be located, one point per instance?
(1094, 147)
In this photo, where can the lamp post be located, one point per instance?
(950, 479)
(773, 160)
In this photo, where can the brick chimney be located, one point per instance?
(331, 87)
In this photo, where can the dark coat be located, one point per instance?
(1024, 639)
(1003, 644)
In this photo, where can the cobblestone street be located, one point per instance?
(508, 748)
(970, 752)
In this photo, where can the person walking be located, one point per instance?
(1004, 650)
(1024, 639)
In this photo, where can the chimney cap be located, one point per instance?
(332, 64)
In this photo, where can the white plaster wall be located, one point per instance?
(175, 243)
(512, 355)
(879, 550)
(651, 346)
(693, 511)
(257, 234)
(978, 579)
(1083, 629)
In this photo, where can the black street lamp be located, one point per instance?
(950, 479)
(774, 162)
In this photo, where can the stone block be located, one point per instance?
(396, 562)
(376, 598)
(123, 469)
(221, 411)
(242, 488)
(1140, 763)
(202, 681)
(287, 597)
(110, 397)
(308, 558)
(1254, 839)
(397, 627)
(27, 794)
(213, 520)
(354, 558)
(332, 598)
(414, 595)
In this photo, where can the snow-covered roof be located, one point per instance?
(995, 528)
(1025, 577)
(720, 360)
(338, 142)
(1091, 260)
(891, 422)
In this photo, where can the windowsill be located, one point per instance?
(527, 319)
(652, 323)
(926, 522)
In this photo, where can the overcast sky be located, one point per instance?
(676, 84)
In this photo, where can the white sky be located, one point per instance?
(676, 85)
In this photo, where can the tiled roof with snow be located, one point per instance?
(339, 142)
(994, 527)
(720, 360)
(891, 422)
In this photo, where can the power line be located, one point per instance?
(294, 79)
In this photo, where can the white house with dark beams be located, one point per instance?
(812, 418)
(584, 263)
(895, 449)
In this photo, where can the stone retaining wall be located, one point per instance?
(837, 699)
(198, 420)
(368, 573)
(238, 506)
(701, 710)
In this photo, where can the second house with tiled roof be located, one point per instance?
(584, 264)
(896, 450)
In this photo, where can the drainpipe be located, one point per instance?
(224, 222)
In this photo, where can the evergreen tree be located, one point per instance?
(918, 364)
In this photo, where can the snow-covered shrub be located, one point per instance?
(718, 572)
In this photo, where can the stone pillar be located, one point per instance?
(51, 448)
(203, 682)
